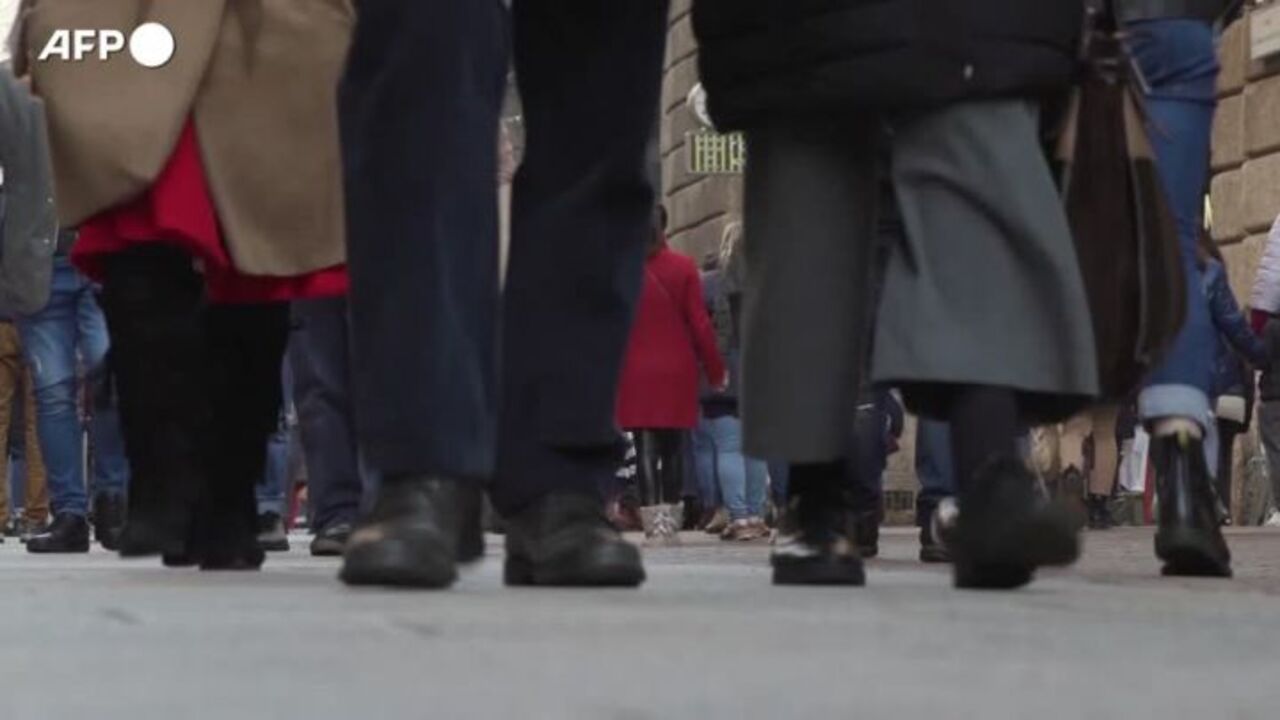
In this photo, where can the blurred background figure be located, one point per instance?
(672, 346)
(736, 498)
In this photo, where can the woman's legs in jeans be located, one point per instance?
(1179, 62)
(727, 433)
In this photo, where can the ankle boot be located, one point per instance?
(817, 537)
(1007, 528)
(1189, 540)
(409, 538)
(565, 540)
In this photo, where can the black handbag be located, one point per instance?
(1126, 238)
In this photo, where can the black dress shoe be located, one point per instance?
(108, 520)
(565, 540)
(1189, 540)
(331, 541)
(1007, 528)
(410, 538)
(68, 534)
(817, 542)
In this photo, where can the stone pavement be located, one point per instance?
(93, 637)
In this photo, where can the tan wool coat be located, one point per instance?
(260, 79)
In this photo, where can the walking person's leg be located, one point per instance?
(110, 466)
(35, 512)
(583, 211)
(319, 356)
(419, 111)
(937, 485)
(1106, 465)
(49, 343)
(1179, 62)
(271, 491)
(810, 223)
(1010, 216)
(11, 371)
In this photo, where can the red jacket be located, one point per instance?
(671, 337)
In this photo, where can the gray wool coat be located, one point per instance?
(29, 215)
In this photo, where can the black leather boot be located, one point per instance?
(565, 540)
(108, 520)
(409, 538)
(68, 534)
(1189, 540)
(817, 541)
(1007, 528)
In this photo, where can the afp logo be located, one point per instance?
(151, 45)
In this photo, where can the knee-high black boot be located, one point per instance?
(153, 300)
(247, 344)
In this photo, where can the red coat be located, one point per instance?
(671, 337)
(178, 210)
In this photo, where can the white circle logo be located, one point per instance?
(152, 45)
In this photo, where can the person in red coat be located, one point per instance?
(672, 343)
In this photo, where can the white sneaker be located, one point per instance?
(1273, 520)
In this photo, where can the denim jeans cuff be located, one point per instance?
(1167, 401)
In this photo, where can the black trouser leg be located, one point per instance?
(247, 344)
(153, 301)
(1227, 432)
(419, 110)
(984, 427)
(318, 354)
(583, 205)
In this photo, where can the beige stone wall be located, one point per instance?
(1245, 198)
(700, 206)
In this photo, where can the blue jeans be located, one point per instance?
(271, 491)
(743, 481)
(1179, 64)
(67, 334)
(933, 467)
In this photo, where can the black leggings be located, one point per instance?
(199, 388)
(660, 466)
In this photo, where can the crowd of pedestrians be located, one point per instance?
(228, 302)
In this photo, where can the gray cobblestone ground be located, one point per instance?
(92, 637)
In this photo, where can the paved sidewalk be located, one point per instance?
(91, 637)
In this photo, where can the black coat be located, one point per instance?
(768, 60)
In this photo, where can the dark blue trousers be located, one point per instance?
(442, 385)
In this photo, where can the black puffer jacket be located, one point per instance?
(768, 60)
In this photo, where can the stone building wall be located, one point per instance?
(1245, 200)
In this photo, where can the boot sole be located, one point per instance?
(1046, 540)
(373, 565)
(1190, 554)
(820, 572)
(617, 572)
(59, 551)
